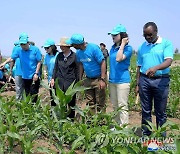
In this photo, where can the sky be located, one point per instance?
(43, 19)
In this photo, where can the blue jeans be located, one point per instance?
(156, 89)
(19, 87)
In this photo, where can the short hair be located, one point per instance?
(151, 24)
(102, 44)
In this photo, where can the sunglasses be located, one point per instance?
(150, 35)
(46, 48)
(22, 44)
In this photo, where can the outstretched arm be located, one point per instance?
(5, 62)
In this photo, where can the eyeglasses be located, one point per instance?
(22, 44)
(150, 35)
(46, 48)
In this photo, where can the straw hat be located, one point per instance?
(63, 42)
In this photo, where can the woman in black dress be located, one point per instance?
(66, 71)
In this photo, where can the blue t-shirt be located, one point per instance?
(14, 71)
(91, 58)
(119, 72)
(28, 59)
(1, 74)
(7, 67)
(49, 61)
(150, 55)
(18, 70)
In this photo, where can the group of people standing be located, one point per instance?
(154, 58)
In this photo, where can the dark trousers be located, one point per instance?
(72, 104)
(52, 99)
(156, 89)
(31, 88)
(3, 80)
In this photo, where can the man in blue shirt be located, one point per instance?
(154, 58)
(91, 60)
(30, 59)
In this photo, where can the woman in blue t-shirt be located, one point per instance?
(119, 78)
(49, 61)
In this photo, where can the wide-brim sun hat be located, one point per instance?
(62, 42)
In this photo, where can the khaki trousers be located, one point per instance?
(96, 97)
(119, 97)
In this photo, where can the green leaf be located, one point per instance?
(33, 132)
(76, 87)
(121, 150)
(78, 110)
(177, 146)
(45, 150)
(67, 99)
(14, 135)
(3, 129)
(70, 90)
(151, 126)
(104, 150)
(76, 143)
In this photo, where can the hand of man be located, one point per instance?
(52, 82)
(35, 77)
(150, 72)
(102, 84)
